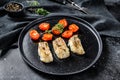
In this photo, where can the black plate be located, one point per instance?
(74, 64)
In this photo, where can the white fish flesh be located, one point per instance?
(60, 48)
(44, 52)
(75, 45)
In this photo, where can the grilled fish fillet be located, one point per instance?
(75, 45)
(44, 52)
(60, 48)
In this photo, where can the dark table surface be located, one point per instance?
(12, 66)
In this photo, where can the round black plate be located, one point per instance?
(90, 39)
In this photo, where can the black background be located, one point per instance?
(12, 67)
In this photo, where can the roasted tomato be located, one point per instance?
(34, 35)
(44, 26)
(63, 22)
(57, 29)
(47, 36)
(56, 32)
(73, 27)
(67, 34)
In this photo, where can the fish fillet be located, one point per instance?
(60, 48)
(44, 52)
(75, 45)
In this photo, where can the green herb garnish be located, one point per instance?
(48, 31)
(58, 27)
(41, 11)
(33, 3)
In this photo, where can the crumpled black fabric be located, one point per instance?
(106, 68)
(105, 23)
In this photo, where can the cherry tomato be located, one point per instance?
(67, 34)
(44, 26)
(56, 32)
(47, 37)
(34, 35)
(73, 27)
(63, 22)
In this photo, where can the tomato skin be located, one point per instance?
(34, 35)
(47, 37)
(63, 22)
(56, 32)
(44, 26)
(73, 27)
(67, 34)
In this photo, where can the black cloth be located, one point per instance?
(99, 17)
(106, 24)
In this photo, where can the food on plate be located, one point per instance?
(47, 36)
(34, 35)
(56, 32)
(57, 29)
(60, 48)
(63, 22)
(73, 27)
(44, 26)
(67, 34)
(44, 52)
(75, 45)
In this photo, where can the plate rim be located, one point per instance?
(96, 34)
